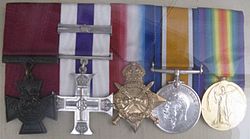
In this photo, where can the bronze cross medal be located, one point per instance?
(82, 104)
(30, 108)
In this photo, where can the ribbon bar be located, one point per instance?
(96, 29)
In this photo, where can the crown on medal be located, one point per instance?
(133, 72)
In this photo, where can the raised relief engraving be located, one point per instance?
(81, 127)
(82, 80)
(82, 104)
(134, 101)
(223, 105)
(176, 109)
(182, 108)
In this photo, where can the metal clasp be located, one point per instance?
(84, 60)
(28, 70)
(94, 57)
(177, 73)
(96, 29)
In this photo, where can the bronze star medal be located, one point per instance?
(134, 101)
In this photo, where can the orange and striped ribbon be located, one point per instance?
(177, 41)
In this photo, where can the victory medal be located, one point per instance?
(224, 105)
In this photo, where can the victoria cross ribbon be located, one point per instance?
(30, 51)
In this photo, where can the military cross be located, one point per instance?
(82, 104)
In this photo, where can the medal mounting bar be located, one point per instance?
(96, 29)
(177, 73)
(29, 59)
(94, 57)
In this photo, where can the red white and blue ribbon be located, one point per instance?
(136, 37)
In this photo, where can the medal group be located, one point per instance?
(141, 61)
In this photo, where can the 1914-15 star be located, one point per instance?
(134, 101)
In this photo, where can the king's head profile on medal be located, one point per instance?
(182, 108)
(134, 101)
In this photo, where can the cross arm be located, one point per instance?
(49, 102)
(63, 103)
(103, 104)
(11, 107)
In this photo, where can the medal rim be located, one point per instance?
(197, 118)
(206, 93)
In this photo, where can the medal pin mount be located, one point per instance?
(182, 108)
(82, 103)
(224, 105)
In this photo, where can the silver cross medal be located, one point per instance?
(82, 104)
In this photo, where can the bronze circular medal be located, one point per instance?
(224, 105)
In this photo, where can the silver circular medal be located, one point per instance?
(181, 110)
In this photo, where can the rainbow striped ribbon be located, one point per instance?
(219, 46)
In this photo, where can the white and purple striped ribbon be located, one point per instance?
(83, 44)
